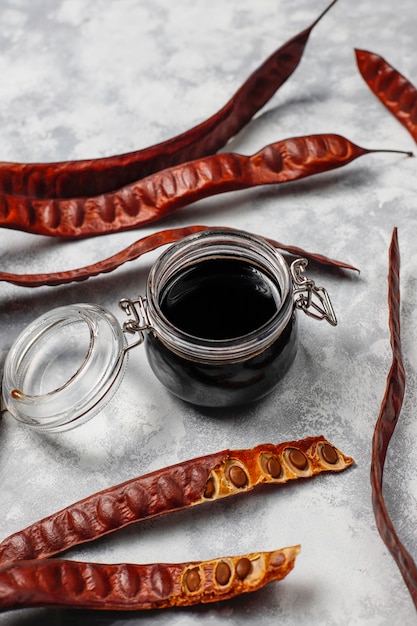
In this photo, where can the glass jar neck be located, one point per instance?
(220, 245)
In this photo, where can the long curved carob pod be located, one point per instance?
(137, 249)
(197, 481)
(385, 425)
(163, 192)
(394, 90)
(129, 587)
(95, 176)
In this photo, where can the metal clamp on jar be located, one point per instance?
(218, 321)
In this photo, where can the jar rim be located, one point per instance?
(202, 246)
(95, 372)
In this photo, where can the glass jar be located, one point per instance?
(218, 321)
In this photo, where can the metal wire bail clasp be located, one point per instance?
(314, 301)
(139, 322)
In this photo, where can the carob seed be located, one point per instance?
(329, 454)
(223, 573)
(238, 476)
(243, 567)
(277, 560)
(192, 579)
(271, 465)
(298, 459)
(210, 488)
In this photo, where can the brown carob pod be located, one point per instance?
(385, 425)
(394, 90)
(204, 479)
(129, 587)
(137, 249)
(95, 176)
(163, 192)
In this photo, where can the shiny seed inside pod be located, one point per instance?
(243, 567)
(192, 579)
(298, 459)
(271, 465)
(237, 476)
(210, 489)
(329, 454)
(277, 559)
(223, 573)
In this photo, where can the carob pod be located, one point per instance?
(174, 488)
(95, 176)
(385, 425)
(165, 191)
(129, 587)
(140, 247)
(395, 91)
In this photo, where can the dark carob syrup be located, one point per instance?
(220, 299)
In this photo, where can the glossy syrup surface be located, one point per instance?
(220, 299)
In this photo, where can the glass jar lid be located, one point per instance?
(63, 367)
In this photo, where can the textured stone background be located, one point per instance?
(81, 80)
